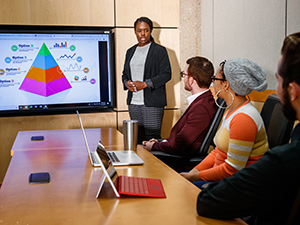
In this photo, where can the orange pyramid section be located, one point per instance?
(45, 76)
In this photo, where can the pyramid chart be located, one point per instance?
(44, 76)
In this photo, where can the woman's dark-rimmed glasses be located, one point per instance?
(215, 78)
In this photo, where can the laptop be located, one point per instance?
(118, 158)
(124, 185)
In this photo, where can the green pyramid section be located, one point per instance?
(44, 50)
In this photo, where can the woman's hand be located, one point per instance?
(131, 87)
(192, 176)
(135, 86)
(139, 85)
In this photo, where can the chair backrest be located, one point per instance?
(278, 128)
(208, 139)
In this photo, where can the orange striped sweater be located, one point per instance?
(241, 140)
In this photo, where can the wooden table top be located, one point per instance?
(69, 198)
(72, 138)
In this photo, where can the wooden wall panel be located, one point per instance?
(15, 12)
(58, 12)
(124, 115)
(124, 38)
(162, 13)
(169, 38)
(171, 116)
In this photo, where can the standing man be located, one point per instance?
(265, 192)
(187, 134)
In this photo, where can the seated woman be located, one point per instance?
(241, 139)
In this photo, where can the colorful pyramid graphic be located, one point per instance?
(44, 76)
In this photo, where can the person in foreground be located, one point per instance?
(146, 71)
(266, 190)
(187, 134)
(241, 139)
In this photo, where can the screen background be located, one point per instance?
(82, 57)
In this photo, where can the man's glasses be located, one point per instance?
(182, 74)
(214, 78)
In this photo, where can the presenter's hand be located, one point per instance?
(139, 85)
(131, 87)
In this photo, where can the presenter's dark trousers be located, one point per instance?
(150, 121)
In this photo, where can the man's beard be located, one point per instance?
(287, 108)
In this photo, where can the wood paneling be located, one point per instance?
(162, 13)
(171, 116)
(124, 115)
(124, 38)
(58, 12)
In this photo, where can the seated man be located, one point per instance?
(265, 192)
(187, 134)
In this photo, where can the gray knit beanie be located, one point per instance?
(244, 76)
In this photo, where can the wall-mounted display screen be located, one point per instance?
(51, 69)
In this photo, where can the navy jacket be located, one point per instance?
(265, 190)
(157, 73)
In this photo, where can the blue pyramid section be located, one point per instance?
(44, 62)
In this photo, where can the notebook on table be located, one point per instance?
(118, 158)
(124, 185)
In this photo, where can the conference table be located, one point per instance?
(70, 196)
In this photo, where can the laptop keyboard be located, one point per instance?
(113, 157)
(135, 185)
(94, 159)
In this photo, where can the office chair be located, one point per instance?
(278, 128)
(181, 163)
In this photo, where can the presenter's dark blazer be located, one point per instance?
(188, 133)
(157, 73)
